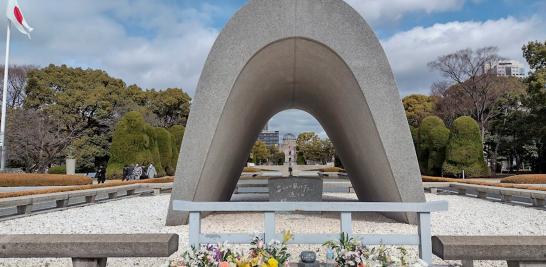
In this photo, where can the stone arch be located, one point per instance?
(317, 56)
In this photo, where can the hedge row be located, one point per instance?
(525, 179)
(40, 179)
(136, 142)
(85, 187)
(474, 182)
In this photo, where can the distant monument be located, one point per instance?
(317, 56)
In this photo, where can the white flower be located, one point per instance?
(420, 263)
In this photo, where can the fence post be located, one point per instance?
(195, 229)
(346, 223)
(269, 226)
(425, 238)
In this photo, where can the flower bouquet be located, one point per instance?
(349, 252)
(273, 254)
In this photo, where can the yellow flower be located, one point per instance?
(272, 263)
(287, 236)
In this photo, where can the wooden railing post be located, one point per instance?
(425, 237)
(195, 229)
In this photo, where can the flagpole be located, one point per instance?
(4, 103)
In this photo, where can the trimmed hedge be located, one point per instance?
(177, 134)
(130, 145)
(525, 179)
(465, 150)
(164, 144)
(251, 169)
(464, 181)
(39, 179)
(136, 142)
(432, 138)
(57, 170)
(85, 187)
(331, 169)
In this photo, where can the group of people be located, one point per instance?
(138, 172)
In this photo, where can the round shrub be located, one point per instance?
(131, 144)
(465, 150)
(154, 149)
(177, 135)
(57, 170)
(164, 144)
(432, 138)
(439, 138)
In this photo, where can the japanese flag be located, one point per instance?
(16, 16)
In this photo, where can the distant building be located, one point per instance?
(506, 68)
(270, 138)
(288, 147)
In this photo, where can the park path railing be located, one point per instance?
(421, 239)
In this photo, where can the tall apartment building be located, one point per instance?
(507, 68)
(269, 137)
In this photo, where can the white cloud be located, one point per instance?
(171, 43)
(152, 44)
(410, 51)
(377, 11)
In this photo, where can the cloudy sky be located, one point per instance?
(164, 43)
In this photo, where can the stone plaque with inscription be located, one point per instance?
(287, 189)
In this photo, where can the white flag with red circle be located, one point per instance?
(15, 15)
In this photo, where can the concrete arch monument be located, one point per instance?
(319, 56)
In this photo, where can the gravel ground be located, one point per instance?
(466, 216)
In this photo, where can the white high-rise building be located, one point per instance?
(507, 68)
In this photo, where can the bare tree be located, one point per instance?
(468, 71)
(35, 140)
(16, 84)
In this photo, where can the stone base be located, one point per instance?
(526, 264)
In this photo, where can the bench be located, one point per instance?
(88, 250)
(518, 251)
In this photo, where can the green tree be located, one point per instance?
(85, 104)
(275, 155)
(432, 140)
(535, 54)
(465, 150)
(260, 152)
(417, 108)
(328, 151)
(171, 106)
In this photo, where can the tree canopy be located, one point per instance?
(84, 105)
(417, 108)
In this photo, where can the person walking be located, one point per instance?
(137, 172)
(101, 175)
(151, 172)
